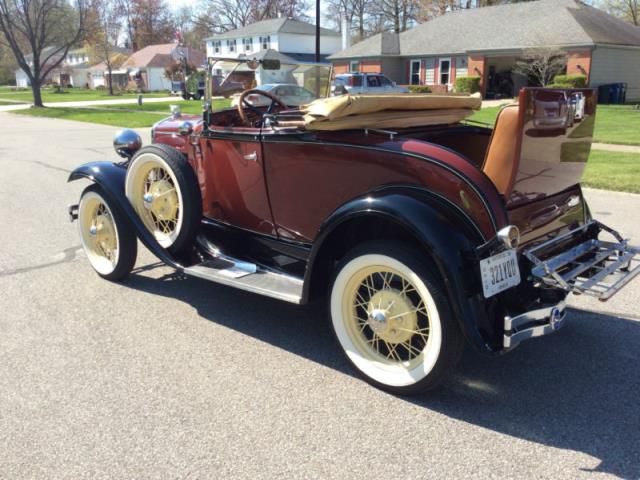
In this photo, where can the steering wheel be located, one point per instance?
(243, 102)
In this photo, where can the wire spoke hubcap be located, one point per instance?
(389, 321)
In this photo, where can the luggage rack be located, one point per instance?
(595, 267)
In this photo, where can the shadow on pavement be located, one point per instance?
(576, 390)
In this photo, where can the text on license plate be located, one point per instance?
(499, 272)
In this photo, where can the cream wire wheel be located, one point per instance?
(388, 322)
(154, 192)
(111, 250)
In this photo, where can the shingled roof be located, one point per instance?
(558, 23)
(160, 55)
(274, 25)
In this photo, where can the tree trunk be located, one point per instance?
(110, 79)
(37, 94)
(36, 85)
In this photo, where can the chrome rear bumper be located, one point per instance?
(534, 323)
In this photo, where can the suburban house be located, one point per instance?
(146, 67)
(72, 71)
(290, 41)
(488, 41)
(75, 70)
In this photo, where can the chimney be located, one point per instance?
(346, 32)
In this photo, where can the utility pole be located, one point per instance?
(317, 31)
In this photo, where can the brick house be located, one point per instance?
(488, 41)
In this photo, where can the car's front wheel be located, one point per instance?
(108, 241)
(392, 318)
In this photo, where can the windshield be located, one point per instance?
(313, 78)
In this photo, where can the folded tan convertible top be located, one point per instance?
(388, 111)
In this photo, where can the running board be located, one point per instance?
(595, 267)
(245, 276)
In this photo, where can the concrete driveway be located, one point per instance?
(162, 377)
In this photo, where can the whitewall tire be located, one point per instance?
(163, 190)
(392, 319)
(106, 237)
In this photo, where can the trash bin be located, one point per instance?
(603, 94)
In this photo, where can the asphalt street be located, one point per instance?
(165, 377)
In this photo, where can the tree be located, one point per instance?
(147, 22)
(541, 64)
(47, 29)
(628, 10)
(396, 15)
(104, 19)
(7, 66)
(224, 15)
(357, 13)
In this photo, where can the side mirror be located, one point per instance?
(126, 143)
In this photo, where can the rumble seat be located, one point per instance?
(502, 158)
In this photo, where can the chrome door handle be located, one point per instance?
(252, 157)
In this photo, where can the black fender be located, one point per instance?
(111, 177)
(446, 233)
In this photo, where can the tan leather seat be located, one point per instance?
(503, 155)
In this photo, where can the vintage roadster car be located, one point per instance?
(423, 230)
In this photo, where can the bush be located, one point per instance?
(419, 89)
(469, 84)
(559, 85)
(573, 81)
(101, 87)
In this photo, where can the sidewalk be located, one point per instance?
(91, 103)
(611, 147)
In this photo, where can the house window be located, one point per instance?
(462, 66)
(216, 45)
(445, 71)
(415, 72)
(265, 42)
(354, 66)
(231, 45)
(248, 44)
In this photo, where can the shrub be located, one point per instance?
(101, 87)
(559, 85)
(419, 89)
(469, 84)
(573, 81)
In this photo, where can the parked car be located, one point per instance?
(552, 111)
(576, 100)
(225, 87)
(362, 83)
(423, 236)
(291, 94)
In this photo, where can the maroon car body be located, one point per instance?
(293, 202)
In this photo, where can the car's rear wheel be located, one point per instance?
(392, 318)
(163, 190)
(106, 237)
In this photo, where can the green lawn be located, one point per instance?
(105, 117)
(131, 115)
(613, 171)
(9, 103)
(486, 115)
(187, 106)
(70, 95)
(614, 123)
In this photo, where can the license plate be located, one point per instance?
(499, 272)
